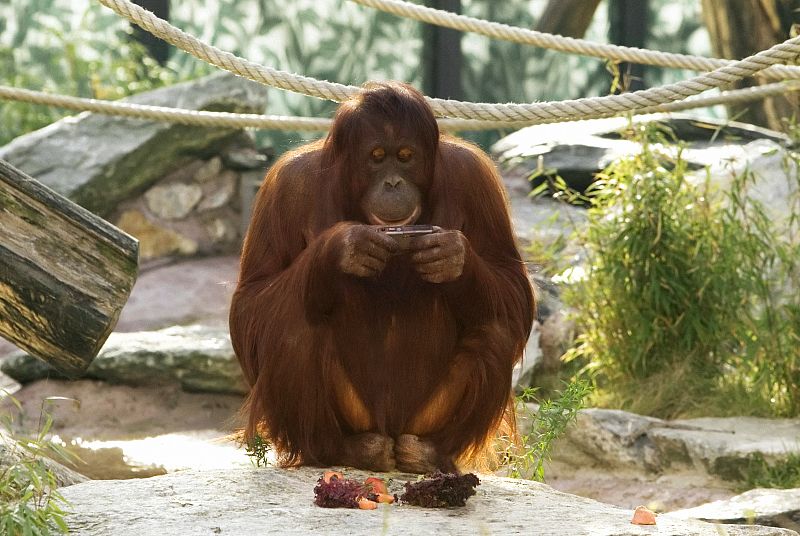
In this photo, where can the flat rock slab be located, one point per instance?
(274, 501)
(775, 507)
(619, 440)
(199, 358)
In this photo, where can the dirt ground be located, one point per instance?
(132, 432)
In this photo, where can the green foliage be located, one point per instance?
(684, 306)
(52, 46)
(547, 424)
(258, 449)
(29, 501)
(783, 473)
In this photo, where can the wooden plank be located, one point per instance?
(65, 273)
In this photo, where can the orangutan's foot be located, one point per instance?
(417, 455)
(370, 451)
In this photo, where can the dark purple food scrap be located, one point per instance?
(440, 490)
(338, 493)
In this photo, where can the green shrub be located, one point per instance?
(680, 307)
(783, 473)
(526, 457)
(30, 503)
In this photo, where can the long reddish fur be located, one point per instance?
(294, 316)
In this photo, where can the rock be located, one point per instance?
(196, 357)
(221, 230)
(545, 220)
(774, 175)
(246, 158)
(557, 336)
(8, 386)
(220, 191)
(611, 439)
(12, 453)
(99, 161)
(525, 371)
(173, 201)
(548, 297)
(579, 149)
(773, 507)
(195, 291)
(154, 241)
(722, 447)
(252, 501)
(209, 170)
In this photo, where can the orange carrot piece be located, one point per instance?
(366, 504)
(377, 484)
(643, 516)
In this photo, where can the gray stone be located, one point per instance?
(99, 161)
(11, 453)
(774, 175)
(273, 501)
(209, 170)
(722, 447)
(197, 357)
(219, 192)
(545, 220)
(221, 230)
(246, 159)
(579, 149)
(774, 507)
(8, 385)
(612, 439)
(173, 201)
(525, 371)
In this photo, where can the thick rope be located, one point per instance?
(571, 45)
(163, 113)
(277, 122)
(543, 112)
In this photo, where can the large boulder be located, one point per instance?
(255, 501)
(577, 150)
(99, 161)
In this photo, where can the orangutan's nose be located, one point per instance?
(392, 181)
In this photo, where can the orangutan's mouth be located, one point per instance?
(375, 220)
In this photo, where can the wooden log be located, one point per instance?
(65, 273)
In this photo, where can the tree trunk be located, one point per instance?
(442, 57)
(65, 274)
(628, 26)
(157, 48)
(570, 18)
(741, 28)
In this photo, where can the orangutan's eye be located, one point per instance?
(378, 154)
(405, 154)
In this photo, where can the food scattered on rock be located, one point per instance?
(335, 491)
(643, 516)
(440, 490)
